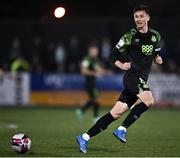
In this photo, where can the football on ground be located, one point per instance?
(53, 130)
(20, 143)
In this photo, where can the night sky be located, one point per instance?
(85, 8)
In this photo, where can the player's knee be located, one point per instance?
(149, 101)
(118, 109)
(115, 115)
(147, 98)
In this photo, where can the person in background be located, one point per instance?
(91, 68)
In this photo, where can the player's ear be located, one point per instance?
(148, 17)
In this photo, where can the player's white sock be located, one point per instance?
(122, 128)
(86, 136)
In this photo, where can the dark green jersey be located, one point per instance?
(140, 49)
(91, 64)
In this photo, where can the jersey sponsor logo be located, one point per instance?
(147, 49)
(153, 38)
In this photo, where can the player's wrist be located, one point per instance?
(119, 64)
(157, 55)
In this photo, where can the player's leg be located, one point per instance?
(89, 89)
(80, 112)
(101, 125)
(130, 100)
(118, 109)
(96, 106)
(86, 105)
(147, 100)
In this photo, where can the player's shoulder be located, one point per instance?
(85, 61)
(155, 33)
(128, 35)
(87, 57)
(131, 32)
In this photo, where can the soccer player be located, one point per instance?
(140, 47)
(91, 68)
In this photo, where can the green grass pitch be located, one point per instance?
(53, 131)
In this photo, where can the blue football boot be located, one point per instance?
(83, 144)
(120, 134)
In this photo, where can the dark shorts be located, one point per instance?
(92, 91)
(133, 85)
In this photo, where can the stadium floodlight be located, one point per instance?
(59, 12)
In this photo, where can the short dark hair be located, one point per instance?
(141, 8)
(93, 44)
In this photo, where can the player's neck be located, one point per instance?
(143, 29)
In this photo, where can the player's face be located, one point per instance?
(141, 19)
(93, 51)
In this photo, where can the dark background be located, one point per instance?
(85, 8)
(87, 21)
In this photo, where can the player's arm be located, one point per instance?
(100, 70)
(116, 55)
(85, 70)
(157, 58)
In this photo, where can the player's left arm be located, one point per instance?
(101, 70)
(157, 57)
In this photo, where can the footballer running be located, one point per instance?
(134, 53)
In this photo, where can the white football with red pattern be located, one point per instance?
(20, 143)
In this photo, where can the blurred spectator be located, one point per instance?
(105, 51)
(19, 65)
(60, 57)
(15, 49)
(36, 54)
(155, 68)
(91, 69)
(48, 61)
(73, 59)
(178, 54)
(172, 67)
(168, 64)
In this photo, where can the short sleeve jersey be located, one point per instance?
(91, 64)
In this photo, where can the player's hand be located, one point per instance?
(99, 74)
(158, 60)
(109, 72)
(125, 66)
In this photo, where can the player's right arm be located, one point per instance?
(116, 54)
(123, 66)
(85, 69)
